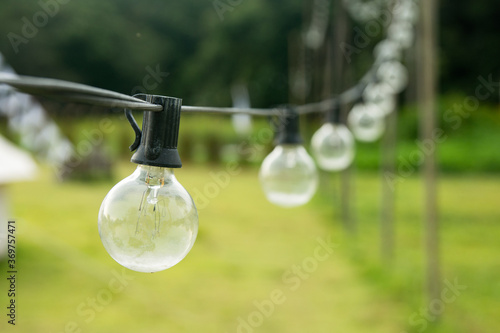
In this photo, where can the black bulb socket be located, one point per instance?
(156, 144)
(289, 129)
(333, 116)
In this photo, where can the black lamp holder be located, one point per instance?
(156, 144)
(333, 115)
(288, 129)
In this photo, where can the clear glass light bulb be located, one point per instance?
(406, 11)
(402, 33)
(394, 74)
(288, 176)
(387, 50)
(366, 122)
(381, 95)
(333, 147)
(148, 222)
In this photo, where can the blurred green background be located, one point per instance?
(245, 245)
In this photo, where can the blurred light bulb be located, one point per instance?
(381, 95)
(406, 10)
(148, 222)
(333, 147)
(367, 11)
(366, 122)
(394, 74)
(387, 50)
(402, 33)
(288, 176)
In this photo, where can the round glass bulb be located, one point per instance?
(381, 95)
(288, 176)
(406, 10)
(387, 50)
(394, 74)
(333, 147)
(402, 33)
(148, 222)
(366, 122)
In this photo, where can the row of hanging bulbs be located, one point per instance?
(148, 222)
(288, 174)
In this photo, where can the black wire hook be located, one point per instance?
(135, 127)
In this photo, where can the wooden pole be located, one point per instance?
(340, 34)
(427, 61)
(387, 219)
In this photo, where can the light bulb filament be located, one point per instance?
(150, 209)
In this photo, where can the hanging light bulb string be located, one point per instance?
(148, 222)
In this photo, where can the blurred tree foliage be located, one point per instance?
(469, 41)
(112, 44)
(116, 44)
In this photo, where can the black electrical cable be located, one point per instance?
(80, 93)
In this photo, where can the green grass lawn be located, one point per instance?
(255, 267)
(470, 229)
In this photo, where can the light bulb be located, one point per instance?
(366, 122)
(381, 95)
(333, 147)
(406, 10)
(387, 50)
(394, 74)
(148, 222)
(402, 33)
(288, 176)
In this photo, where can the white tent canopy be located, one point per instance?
(15, 164)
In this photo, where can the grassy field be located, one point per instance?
(256, 267)
(469, 217)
